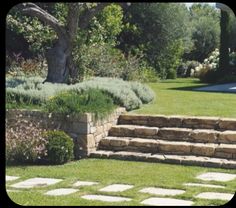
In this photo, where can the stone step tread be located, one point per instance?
(130, 116)
(160, 141)
(195, 122)
(166, 158)
(133, 127)
(174, 134)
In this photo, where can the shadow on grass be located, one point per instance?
(193, 89)
(175, 81)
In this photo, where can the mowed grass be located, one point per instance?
(106, 172)
(176, 97)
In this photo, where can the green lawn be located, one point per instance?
(175, 97)
(139, 174)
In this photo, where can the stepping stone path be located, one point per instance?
(61, 191)
(11, 178)
(116, 188)
(36, 182)
(162, 191)
(106, 198)
(156, 201)
(214, 176)
(84, 183)
(215, 195)
(204, 185)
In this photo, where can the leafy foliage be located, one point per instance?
(74, 102)
(59, 147)
(206, 31)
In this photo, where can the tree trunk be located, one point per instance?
(56, 59)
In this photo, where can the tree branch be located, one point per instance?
(35, 11)
(73, 19)
(85, 18)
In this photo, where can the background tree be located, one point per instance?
(205, 21)
(154, 29)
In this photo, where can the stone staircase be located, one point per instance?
(203, 141)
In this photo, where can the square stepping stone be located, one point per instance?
(156, 201)
(214, 176)
(215, 195)
(11, 178)
(116, 188)
(36, 182)
(61, 191)
(84, 183)
(106, 198)
(162, 191)
(204, 185)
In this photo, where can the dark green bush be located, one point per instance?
(59, 147)
(171, 74)
(76, 102)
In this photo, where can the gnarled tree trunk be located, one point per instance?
(61, 67)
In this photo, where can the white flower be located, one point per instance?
(205, 60)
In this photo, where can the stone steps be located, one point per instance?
(204, 141)
(174, 134)
(192, 122)
(226, 151)
(166, 158)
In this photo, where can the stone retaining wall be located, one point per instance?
(84, 129)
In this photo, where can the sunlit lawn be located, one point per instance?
(175, 97)
(106, 172)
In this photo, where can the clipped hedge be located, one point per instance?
(59, 147)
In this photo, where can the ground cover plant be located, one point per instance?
(22, 90)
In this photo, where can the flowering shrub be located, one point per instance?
(210, 63)
(24, 142)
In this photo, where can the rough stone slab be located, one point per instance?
(158, 121)
(156, 201)
(227, 137)
(227, 124)
(136, 155)
(116, 188)
(162, 191)
(145, 131)
(215, 195)
(36, 182)
(204, 135)
(203, 149)
(11, 178)
(85, 183)
(106, 198)
(215, 176)
(137, 142)
(200, 122)
(61, 191)
(204, 185)
(174, 147)
(174, 133)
